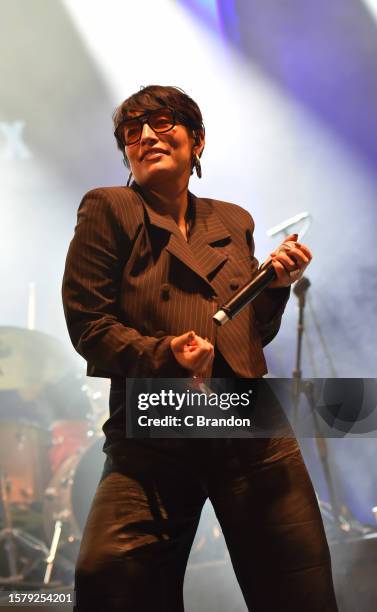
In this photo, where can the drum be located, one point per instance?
(24, 461)
(70, 492)
(67, 438)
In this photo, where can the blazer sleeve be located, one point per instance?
(270, 304)
(91, 285)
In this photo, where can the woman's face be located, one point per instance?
(158, 157)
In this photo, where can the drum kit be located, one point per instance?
(51, 438)
(50, 457)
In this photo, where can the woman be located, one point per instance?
(146, 270)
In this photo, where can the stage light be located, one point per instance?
(372, 7)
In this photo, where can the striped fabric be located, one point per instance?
(132, 282)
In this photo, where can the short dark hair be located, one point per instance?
(156, 96)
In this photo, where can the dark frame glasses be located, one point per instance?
(160, 120)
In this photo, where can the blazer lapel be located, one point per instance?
(207, 231)
(198, 254)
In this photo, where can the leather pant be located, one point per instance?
(147, 508)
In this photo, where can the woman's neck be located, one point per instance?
(169, 201)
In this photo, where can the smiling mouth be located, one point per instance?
(153, 155)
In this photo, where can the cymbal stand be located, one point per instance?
(9, 537)
(52, 554)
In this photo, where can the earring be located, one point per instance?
(124, 160)
(198, 165)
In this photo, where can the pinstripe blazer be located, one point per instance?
(132, 282)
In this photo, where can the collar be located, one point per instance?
(207, 229)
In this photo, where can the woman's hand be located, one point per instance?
(290, 261)
(192, 352)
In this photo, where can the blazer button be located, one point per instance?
(165, 291)
(234, 284)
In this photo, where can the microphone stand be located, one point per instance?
(307, 389)
(300, 289)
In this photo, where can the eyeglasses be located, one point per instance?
(160, 121)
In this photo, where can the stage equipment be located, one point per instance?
(30, 360)
(48, 413)
(70, 492)
(289, 225)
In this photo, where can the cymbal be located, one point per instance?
(31, 359)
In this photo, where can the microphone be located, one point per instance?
(245, 295)
(249, 292)
(288, 225)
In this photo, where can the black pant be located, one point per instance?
(147, 507)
